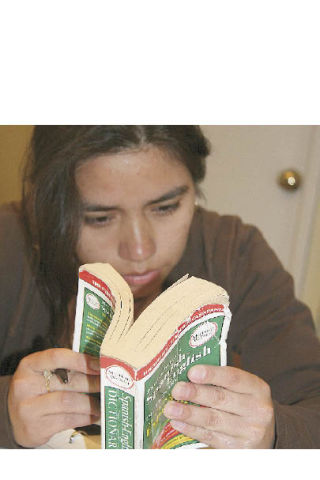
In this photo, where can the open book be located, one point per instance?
(141, 361)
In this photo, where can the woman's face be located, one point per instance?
(137, 211)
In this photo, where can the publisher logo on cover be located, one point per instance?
(202, 334)
(119, 376)
(92, 301)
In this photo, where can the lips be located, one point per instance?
(136, 279)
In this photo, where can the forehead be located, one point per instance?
(146, 173)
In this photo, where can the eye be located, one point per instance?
(98, 221)
(166, 209)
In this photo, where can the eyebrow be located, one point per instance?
(175, 192)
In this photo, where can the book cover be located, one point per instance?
(133, 397)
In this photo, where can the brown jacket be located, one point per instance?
(271, 333)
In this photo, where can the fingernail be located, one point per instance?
(173, 409)
(197, 374)
(62, 374)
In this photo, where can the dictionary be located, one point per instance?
(141, 360)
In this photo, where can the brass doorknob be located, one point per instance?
(290, 179)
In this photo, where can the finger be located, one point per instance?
(61, 358)
(208, 437)
(215, 397)
(71, 420)
(231, 378)
(62, 403)
(77, 382)
(209, 418)
(50, 425)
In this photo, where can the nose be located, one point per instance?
(137, 242)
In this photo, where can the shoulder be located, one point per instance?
(11, 227)
(214, 224)
(9, 210)
(12, 240)
(10, 219)
(228, 247)
(213, 247)
(225, 233)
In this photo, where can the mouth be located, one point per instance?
(137, 279)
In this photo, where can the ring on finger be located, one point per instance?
(47, 376)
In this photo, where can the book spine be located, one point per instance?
(94, 311)
(118, 404)
(139, 413)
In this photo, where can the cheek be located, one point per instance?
(84, 246)
(174, 239)
(92, 246)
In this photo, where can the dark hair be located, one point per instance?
(51, 203)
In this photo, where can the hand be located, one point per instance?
(37, 414)
(236, 409)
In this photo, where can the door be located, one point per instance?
(242, 179)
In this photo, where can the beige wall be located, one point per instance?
(13, 143)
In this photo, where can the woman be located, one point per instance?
(126, 195)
